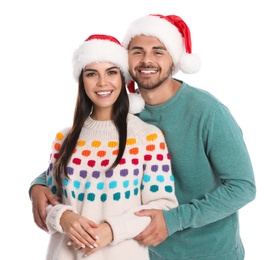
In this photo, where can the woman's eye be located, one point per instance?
(112, 72)
(91, 74)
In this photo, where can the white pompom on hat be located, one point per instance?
(100, 48)
(174, 33)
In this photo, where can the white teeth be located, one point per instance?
(104, 93)
(148, 71)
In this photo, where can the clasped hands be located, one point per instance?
(88, 236)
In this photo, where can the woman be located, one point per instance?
(107, 166)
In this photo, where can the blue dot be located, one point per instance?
(91, 196)
(103, 197)
(54, 189)
(126, 184)
(87, 185)
(146, 177)
(136, 182)
(65, 182)
(76, 184)
(160, 178)
(49, 181)
(154, 188)
(100, 186)
(81, 196)
(168, 189)
(116, 196)
(127, 194)
(113, 184)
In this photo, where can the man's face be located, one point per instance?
(150, 64)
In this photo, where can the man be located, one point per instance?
(210, 162)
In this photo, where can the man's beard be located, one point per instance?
(149, 85)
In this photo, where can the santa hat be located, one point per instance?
(105, 48)
(173, 32)
(100, 48)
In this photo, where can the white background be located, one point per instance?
(237, 44)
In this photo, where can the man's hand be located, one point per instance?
(156, 232)
(41, 196)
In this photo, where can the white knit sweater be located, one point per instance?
(143, 179)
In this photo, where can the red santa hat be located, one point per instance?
(174, 33)
(100, 48)
(105, 48)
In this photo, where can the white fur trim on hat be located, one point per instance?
(98, 50)
(169, 35)
(136, 103)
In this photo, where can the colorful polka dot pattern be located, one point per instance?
(145, 167)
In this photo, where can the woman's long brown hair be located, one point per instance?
(83, 109)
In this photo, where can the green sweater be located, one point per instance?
(213, 177)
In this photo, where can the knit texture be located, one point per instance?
(213, 176)
(143, 179)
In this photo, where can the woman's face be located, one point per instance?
(102, 82)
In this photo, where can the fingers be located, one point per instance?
(39, 201)
(39, 221)
(79, 230)
(84, 238)
(51, 198)
(144, 212)
(156, 232)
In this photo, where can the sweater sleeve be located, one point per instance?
(54, 214)
(157, 191)
(228, 155)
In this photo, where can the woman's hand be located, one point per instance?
(80, 230)
(105, 237)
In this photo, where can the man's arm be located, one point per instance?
(41, 196)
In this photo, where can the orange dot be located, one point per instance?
(115, 152)
(86, 153)
(134, 150)
(162, 145)
(57, 146)
(150, 147)
(101, 153)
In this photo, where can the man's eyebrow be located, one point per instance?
(154, 48)
(159, 48)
